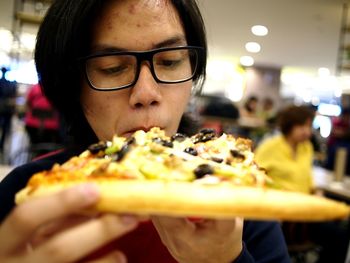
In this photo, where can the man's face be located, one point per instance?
(136, 26)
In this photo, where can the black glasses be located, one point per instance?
(120, 70)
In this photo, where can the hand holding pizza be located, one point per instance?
(48, 230)
(201, 241)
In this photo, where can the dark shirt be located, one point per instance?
(8, 92)
(263, 241)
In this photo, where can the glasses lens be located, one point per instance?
(175, 65)
(109, 72)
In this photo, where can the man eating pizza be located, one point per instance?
(114, 67)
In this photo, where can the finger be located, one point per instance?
(27, 217)
(227, 225)
(46, 231)
(166, 226)
(75, 243)
(169, 222)
(114, 257)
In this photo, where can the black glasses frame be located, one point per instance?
(140, 57)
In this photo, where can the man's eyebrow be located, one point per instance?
(106, 48)
(174, 41)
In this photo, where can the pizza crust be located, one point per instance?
(218, 201)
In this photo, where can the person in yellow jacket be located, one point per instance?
(287, 157)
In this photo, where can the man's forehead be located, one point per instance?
(136, 7)
(154, 3)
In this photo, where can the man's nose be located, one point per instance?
(146, 91)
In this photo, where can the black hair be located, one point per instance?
(247, 105)
(64, 36)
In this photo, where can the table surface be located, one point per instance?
(324, 180)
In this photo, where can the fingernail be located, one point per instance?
(90, 192)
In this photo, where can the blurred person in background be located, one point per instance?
(250, 108)
(8, 93)
(288, 160)
(250, 123)
(339, 137)
(217, 111)
(113, 67)
(288, 157)
(41, 119)
(268, 110)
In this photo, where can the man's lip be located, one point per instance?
(145, 129)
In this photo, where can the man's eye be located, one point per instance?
(114, 70)
(169, 62)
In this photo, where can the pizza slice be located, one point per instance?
(204, 175)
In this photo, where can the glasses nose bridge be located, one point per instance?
(141, 57)
(145, 56)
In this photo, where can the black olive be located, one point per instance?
(178, 137)
(237, 154)
(203, 137)
(167, 143)
(95, 148)
(163, 142)
(130, 141)
(120, 155)
(203, 170)
(208, 137)
(207, 130)
(217, 159)
(195, 139)
(191, 151)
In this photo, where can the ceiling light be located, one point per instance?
(259, 30)
(252, 47)
(329, 109)
(246, 61)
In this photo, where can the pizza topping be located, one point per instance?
(208, 180)
(191, 151)
(131, 140)
(217, 159)
(178, 137)
(236, 154)
(202, 170)
(207, 131)
(95, 148)
(203, 137)
(152, 155)
(120, 154)
(163, 142)
(243, 144)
